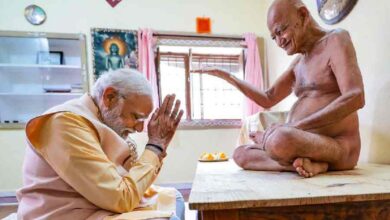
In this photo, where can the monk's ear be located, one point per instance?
(303, 15)
(110, 97)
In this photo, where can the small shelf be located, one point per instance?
(39, 66)
(29, 88)
(12, 125)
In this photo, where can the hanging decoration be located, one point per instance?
(113, 3)
(203, 25)
(333, 11)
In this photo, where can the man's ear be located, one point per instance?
(110, 97)
(303, 15)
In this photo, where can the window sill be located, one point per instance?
(209, 124)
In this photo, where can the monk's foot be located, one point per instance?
(306, 168)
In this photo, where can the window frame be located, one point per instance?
(188, 122)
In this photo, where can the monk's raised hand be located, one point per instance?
(164, 121)
(213, 71)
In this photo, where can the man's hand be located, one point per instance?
(270, 130)
(163, 123)
(213, 71)
(256, 136)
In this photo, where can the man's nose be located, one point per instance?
(280, 41)
(139, 126)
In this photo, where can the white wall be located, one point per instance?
(368, 26)
(75, 16)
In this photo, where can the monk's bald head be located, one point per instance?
(286, 3)
(293, 3)
(283, 8)
(288, 21)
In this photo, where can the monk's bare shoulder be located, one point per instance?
(339, 39)
(341, 50)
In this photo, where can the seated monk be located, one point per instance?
(322, 130)
(81, 164)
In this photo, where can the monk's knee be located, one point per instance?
(239, 156)
(346, 165)
(277, 145)
(348, 161)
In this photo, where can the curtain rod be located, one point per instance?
(194, 35)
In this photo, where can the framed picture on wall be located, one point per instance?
(113, 49)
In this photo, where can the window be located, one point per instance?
(206, 100)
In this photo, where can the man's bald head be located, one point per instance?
(284, 8)
(288, 20)
(279, 4)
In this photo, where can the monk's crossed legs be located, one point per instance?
(289, 149)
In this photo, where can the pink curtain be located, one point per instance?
(146, 64)
(253, 72)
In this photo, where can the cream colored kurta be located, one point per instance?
(70, 173)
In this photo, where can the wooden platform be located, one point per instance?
(225, 191)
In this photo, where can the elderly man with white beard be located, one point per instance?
(80, 163)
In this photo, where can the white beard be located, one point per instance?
(112, 119)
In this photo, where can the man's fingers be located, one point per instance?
(176, 109)
(178, 118)
(164, 105)
(169, 105)
(154, 115)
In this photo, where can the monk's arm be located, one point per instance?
(266, 99)
(347, 73)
